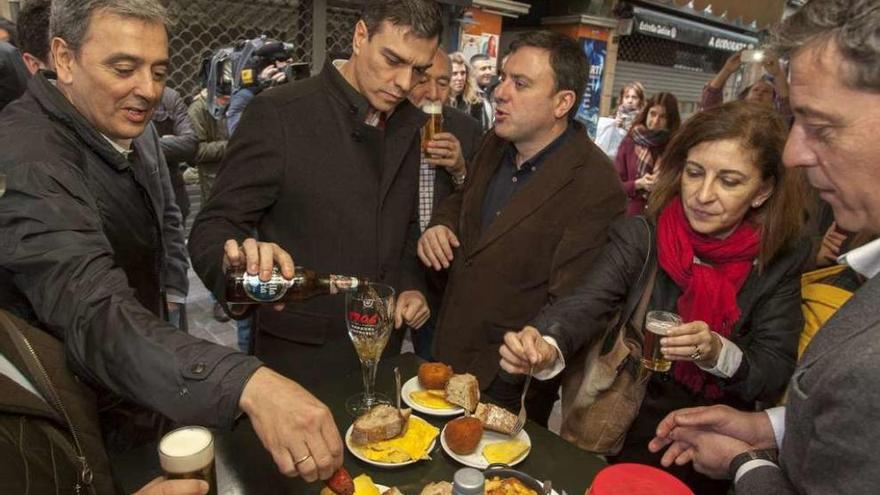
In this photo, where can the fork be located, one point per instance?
(521, 417)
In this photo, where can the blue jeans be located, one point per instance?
(243, 327)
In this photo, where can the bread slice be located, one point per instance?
(463, 390)
(495, 418)
(381, 423)
(437, 488)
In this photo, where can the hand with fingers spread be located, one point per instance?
(692, 341)
(295, 427)
(436, 246)
(258, 258)
(412, 309)
(161, 486)
(526, 349)
(444, 150)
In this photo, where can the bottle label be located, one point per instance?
(342, 283)
(264, 292)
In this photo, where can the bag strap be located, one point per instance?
(636, 307)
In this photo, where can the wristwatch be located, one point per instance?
(750, 455)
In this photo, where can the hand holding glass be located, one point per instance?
(657, 324)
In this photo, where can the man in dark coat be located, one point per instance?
(327, 169)
(825, 436)
(443, 169)
(13, 74)
(82, 257)
(533, 215)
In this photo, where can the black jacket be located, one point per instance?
(767, 332)
(13, 74)
(305, 171)
(81, 256)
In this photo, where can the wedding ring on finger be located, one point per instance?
(300, 461)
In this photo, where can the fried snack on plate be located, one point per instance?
(433, 376)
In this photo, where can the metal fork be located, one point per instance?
(521, 417)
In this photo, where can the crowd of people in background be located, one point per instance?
(512, 239)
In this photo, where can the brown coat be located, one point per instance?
(538, 249)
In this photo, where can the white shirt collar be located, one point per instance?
(865, 259)
(117, 146)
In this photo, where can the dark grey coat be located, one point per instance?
(833, 410)
(81, 255)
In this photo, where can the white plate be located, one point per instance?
(476, 459)
(357, 454)
(412, 385)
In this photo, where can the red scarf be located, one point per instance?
(708, 291)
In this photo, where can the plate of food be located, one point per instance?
(439, 392)
(390, 437)
(360, 485)
(484, 438)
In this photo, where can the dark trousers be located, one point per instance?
(506, 389)
(423, 339)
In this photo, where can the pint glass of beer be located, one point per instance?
(434, 125)
(188, 453)
(657, 323)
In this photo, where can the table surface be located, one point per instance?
(244, 466)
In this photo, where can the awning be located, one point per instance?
(670, 27)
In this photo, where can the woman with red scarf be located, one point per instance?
(646, 140)
(722, 228)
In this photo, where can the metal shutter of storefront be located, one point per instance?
(687, 86)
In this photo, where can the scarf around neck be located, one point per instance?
(710, 272)
(649, 143)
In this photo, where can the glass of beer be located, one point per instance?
(434, 125)
(657, 323)
(188, 453)
(369, 316)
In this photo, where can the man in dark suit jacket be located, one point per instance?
(443, 169)
(327, 169)
(531, 218)
(827, 433)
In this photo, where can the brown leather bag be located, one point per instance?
(601, 398)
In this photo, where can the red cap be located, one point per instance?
(636, 479)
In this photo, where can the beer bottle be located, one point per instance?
(244, 288)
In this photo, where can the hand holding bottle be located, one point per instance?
(258, 258)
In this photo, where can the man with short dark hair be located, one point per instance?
(82, 257)
(826, 434)
(484, 70)
(531, 219)
(33, 35)
(327, 168)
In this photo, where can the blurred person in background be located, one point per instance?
(772, 89)
(8, 31)
(464, 93)
(639, 152)
(632, 100)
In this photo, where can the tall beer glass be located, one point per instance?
(657, 323)
(434, 125)
(369, 316)
(188, 453)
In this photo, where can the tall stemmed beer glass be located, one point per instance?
(369, 315)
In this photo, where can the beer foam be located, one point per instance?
(432, 108)
(186, 449)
